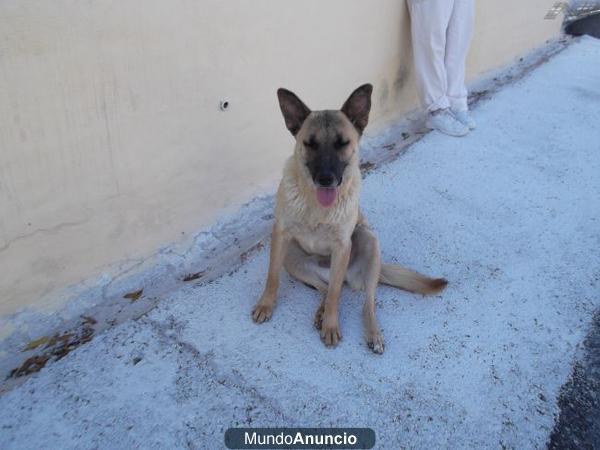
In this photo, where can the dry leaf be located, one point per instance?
(33, 364)
(57, 347)
(133, 296)
(88, 320)
(193, 276)
(36, 343)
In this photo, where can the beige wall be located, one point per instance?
(112, 143)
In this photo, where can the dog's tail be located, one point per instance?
(410, 281)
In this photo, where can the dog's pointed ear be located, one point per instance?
(294, 111)
(358, 105)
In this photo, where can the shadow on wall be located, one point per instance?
(393, 93)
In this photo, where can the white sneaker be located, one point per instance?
(444, 121)
(465, 118)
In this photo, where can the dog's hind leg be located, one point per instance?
(306, 268)
(363, 273)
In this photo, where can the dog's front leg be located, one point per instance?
(330, 327)
(264, 308)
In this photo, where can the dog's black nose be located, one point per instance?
(325, 179)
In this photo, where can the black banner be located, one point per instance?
(300, 438)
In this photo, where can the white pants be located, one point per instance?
(441, 34)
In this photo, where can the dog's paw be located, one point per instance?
(330, 334)
(262, 313)
(375, 342)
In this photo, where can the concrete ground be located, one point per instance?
(510, 215)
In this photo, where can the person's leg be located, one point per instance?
(458, 41)
(429, 21)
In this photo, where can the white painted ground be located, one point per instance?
(510, 215)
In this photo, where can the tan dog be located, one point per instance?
(320, 235)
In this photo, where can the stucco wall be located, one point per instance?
(112, 143)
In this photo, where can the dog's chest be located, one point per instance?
(316, 240)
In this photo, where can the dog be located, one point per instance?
(320, 235)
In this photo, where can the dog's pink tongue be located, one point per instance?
(326, 196)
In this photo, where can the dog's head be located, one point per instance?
(327, 141)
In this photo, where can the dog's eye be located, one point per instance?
(312, 145)
(340, 144)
